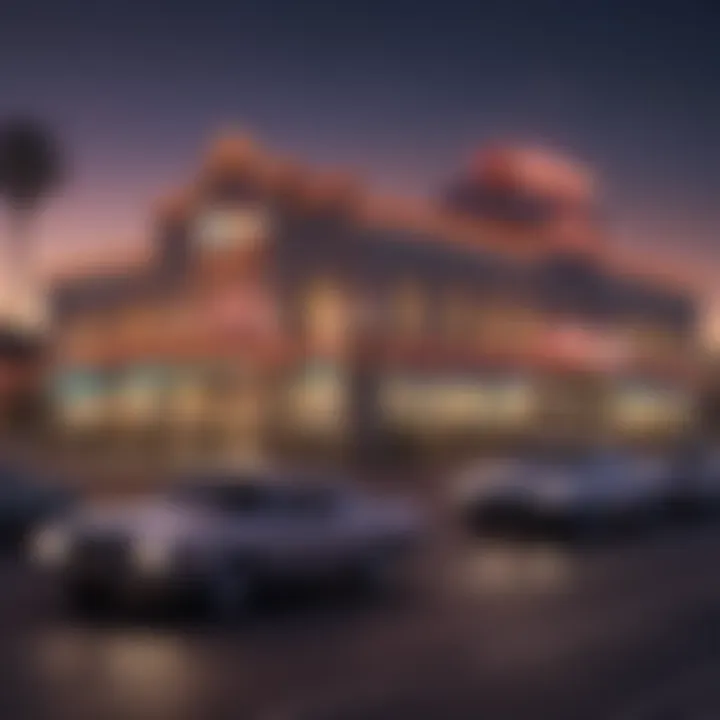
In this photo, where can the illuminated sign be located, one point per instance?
(232, 227)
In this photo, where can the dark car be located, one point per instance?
(695, 487)
(226, 536)
(590, 492)
(27, 500)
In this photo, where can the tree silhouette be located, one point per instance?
(30, 169)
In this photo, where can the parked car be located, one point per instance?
(588, 493)
(221, 538)
(27, 500)
(491, 490)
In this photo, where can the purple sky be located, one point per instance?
(400, 91)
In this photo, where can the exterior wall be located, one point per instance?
(315, 331)
(22, 359)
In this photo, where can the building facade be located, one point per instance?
(22, 399)
(288, 311)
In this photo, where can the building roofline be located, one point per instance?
(423, 220)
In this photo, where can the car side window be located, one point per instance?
(248, 501)
(246, 498)
(312, 503)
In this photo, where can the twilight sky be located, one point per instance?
(399, 90)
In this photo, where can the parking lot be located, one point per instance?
(483, 629)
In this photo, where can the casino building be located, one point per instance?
(290, 311)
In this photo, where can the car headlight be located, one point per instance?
(152, 554)
(50, 547)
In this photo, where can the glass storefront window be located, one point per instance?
(79, 398)
(513, 401)
(326, 315)
(186, 398)
(139, 394)
(444, 404)
(640, 407)
(316, 400)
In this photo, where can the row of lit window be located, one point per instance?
(330, 316)
(329, 313)
(319, 403)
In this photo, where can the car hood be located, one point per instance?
(493, 480)
(157, 517)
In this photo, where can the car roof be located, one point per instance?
(271, 478)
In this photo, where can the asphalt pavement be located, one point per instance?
(481, 630)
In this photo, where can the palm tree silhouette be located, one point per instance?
(30, 169)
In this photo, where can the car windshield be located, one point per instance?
(237, 494)
(250, 494)
(491, 471)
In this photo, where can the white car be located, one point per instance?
(223, 537)
(580, 494)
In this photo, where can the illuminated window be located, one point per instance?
(513, 402)
(639, 408)
(460, 405)
(238, 227)
(80, 399)
(139, 396)
(325, 315)
(317, 401)
(404, 402)
(187, 398)
(440, 404)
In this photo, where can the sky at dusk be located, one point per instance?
(399, 91)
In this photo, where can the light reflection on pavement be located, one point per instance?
(517, 569)
(492, 630)
(690, 695)
(134, 671)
